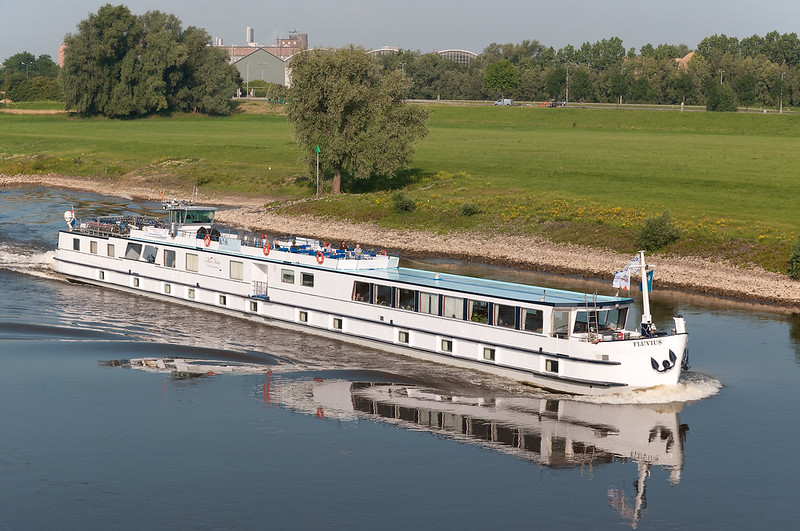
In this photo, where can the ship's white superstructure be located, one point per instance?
(560, 340)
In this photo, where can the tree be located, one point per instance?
(501, 76)
(119, 64)
(745, 87)
(580, 86)
(93, 60)
(342, 101)
(556, 83)
(683, 86)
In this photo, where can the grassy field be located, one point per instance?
(575, 175)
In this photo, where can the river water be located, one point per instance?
(277, 429)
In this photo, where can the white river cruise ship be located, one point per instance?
(559, 340)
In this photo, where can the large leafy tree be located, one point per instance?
(119, 64)
(501, 76)
(344, 102)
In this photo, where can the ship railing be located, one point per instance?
(110, 226)
(298, 245)
(260, 290)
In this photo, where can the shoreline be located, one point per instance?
(692, 274)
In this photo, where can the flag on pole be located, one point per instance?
(633, 262)
(622, 279)
(649, 276)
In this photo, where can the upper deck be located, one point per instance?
(493, 288)
(191, 226)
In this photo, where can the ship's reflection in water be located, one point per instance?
(558, 433)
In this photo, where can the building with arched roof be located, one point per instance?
(384, 50)
(462, 57)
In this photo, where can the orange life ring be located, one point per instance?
(266, 249)
(383, 253)
(208, 240)
(320, 257)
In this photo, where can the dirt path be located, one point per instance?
(687, 273)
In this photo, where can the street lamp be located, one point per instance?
(317, 151)
(26, 67)
(566, 97)
(780, 108)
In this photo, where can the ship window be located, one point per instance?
(307, 279)
(488, 353)
(253, 306)
(505, 316)
(612, 319)
(287, 276)
(76, 244)
(582, 323)
(454, 307)
(167, 288)
(479, 311)
(361, 291)
(135, 282)
(169, 258)
(101, 275)
(236, 270)
(190, 293)
(199, 216)
(93, 247)
(383, 295)
(560, 323)
(551, 365)
(110, 251)
(532, 320)
(302, 316)
(337, 323)
(428, 303)
(447, 345)
(191, 262)
(223, 300)
(150, 253)
(133, 251)
(405, 299)
(402, 336)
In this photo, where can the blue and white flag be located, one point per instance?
(649, 276)
(622, 279)
(633, 262)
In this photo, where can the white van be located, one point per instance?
(504, 102)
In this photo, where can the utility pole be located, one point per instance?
(780, 108)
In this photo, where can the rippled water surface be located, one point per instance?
(121, 412)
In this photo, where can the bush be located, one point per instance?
(794, 261)
(402, 203)
(469, 209)
(657, 233)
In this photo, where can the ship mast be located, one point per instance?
(647, 319)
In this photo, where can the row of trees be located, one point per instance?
(25, 77)
(753, 71)
(120, 64)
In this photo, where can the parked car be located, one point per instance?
(558, 103)
(504, 101)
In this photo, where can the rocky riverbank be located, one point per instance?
(686, 273)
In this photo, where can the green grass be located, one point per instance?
(35, 105)
(575, 175)
(233, 154)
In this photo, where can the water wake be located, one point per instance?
(21, 259)
(692, 387)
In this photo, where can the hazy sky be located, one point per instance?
(39, 26)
